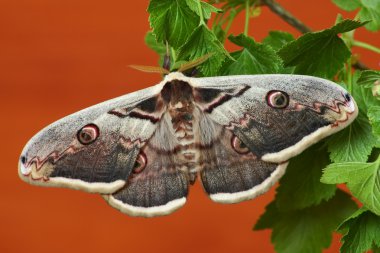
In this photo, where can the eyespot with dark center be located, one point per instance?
(88, 134)
(23, 159)
(347, 97)
(277, 99)
(140, 163)
(239, 146)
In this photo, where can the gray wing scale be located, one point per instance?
(230, 177)
(276, 131)
(161, 186)
(98, 163)
(56, 157)
(316, 108)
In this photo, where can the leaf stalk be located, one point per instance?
(366, 46)
(246, 25)
(200, 10)
(349, 75)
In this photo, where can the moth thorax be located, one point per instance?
(178, 96)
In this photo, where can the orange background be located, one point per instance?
(57, 57)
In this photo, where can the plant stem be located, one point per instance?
(218, 19)
(202, 20)
(349, 75)
(229, 19)
(228, 26)
(296, 23)
(366, 46)
(286, 16)
(174, 56)
(246, 25)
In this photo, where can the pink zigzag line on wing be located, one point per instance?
(55, 155)
(315, 107)
(245, 119)
(126, 142)
(335, 108)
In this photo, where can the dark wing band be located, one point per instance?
(158, 188)
(230, 177)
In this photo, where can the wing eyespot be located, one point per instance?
(347, 97)
(277, 99)
(23, 159)
(140, 163)
(239, 146)
(88, 134)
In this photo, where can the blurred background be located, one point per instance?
(57, 57)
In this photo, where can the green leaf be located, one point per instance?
(339, 18)
(368, 99)
(278, 39)
(363, 180)
(306, 230)
(374, 118)
(158, 47)
(370, 3)
(349, 5)
(321, 53)
(342, 228)
(347, 25)
(232, 3)
(368, 78)
(201, 42)
(172, 21)
(177, 65)
(219, 32)
(363, 232)
(207, 9)
(151, 42)
(300, 187)
(254, 58)
(364, 97)
(354, 143)
(371, 11)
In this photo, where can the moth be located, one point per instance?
(142, 151)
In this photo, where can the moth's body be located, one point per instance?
(181, 116)
(142, 151)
